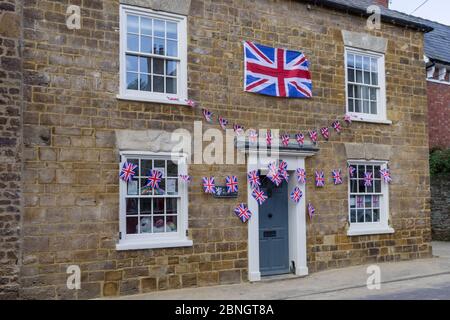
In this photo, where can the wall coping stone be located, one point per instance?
(364, 41)
(174, 6)
(368, 151)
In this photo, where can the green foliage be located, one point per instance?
(439, 162)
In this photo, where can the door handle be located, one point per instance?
(270, 216)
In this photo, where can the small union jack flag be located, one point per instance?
(127, 172)
(325, 133)
(259, 196)
(368, 179)
(272, 168)
(209, 185)
(348, 119)
(296, 195)
(185, 178)
(223, 122)
(282, 170)
(337, 178)
(253, 179)
(300, 138)
(359, 201)
(320, 179)
(242, 212)
(282, 165)
(276, 178)
(313, 136)
(191, 103)
(231, 183)
(311, 211)
(285, 139)
(284, 175)
(269, 138)
(154, 179)
(386, 174)
(252, 136)
(351, 171)
(337, 126)
(207, 114)
(238, 129)
(301, 175)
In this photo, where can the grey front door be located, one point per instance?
(273, 230)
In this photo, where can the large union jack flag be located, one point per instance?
(276, 72)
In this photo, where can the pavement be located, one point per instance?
(427, 279)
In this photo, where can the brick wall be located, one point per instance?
(439, 114)
(10, 146)
(440, 208)
(71, 113)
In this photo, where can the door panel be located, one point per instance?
(273, 230)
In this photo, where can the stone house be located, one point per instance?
(79, 102)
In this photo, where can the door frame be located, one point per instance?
(296, 212)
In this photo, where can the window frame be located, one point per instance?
(182, 92)
(367, 228)
(155, 240)
(381, 116)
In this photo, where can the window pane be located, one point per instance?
(158, 206)
(160, 165)
(171, 68)
(375, 79)
(158, 84)
(376, 201)
(351, 107)
(351, 75)
(158, 66)
(146, 44)
(145, 190)
(353, 186)
(171, 85)
(376, 215)
(358, 92)
(358, 62)
(350, 90)
(132, 24)
(368, 201)
(374, 65)
(377, 186)
(373, 108)
(361, 170)
(146, 167)
(366, 106)
(377, 174)
(366, 64)
(131, 206)
(146, 82)
(146, 225)
(359, 76)
(171, 224)
(172, 186)
(350, 60)
(146, 26)
(365, 91)
(352, 216)
(171, 204)
(360, 216)
(162, 188)
(159, 26)
(132, 42)
(145, 65)
(172, 169)
(352, 202)
(132, 225)
(159, 46)
(146, 206)
(132, 81)
(368, 215)
(357, 105)
(132, 187)
(366, 77)
(172, 48)
(172, 30)
(132, 63)
(360, 202)
(373, 94)
(158, 224)
(361, 186)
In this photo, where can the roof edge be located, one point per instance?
(348, 8)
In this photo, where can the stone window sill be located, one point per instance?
(180, 102)
(139, 245)
(368, 230)
(377, 121)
